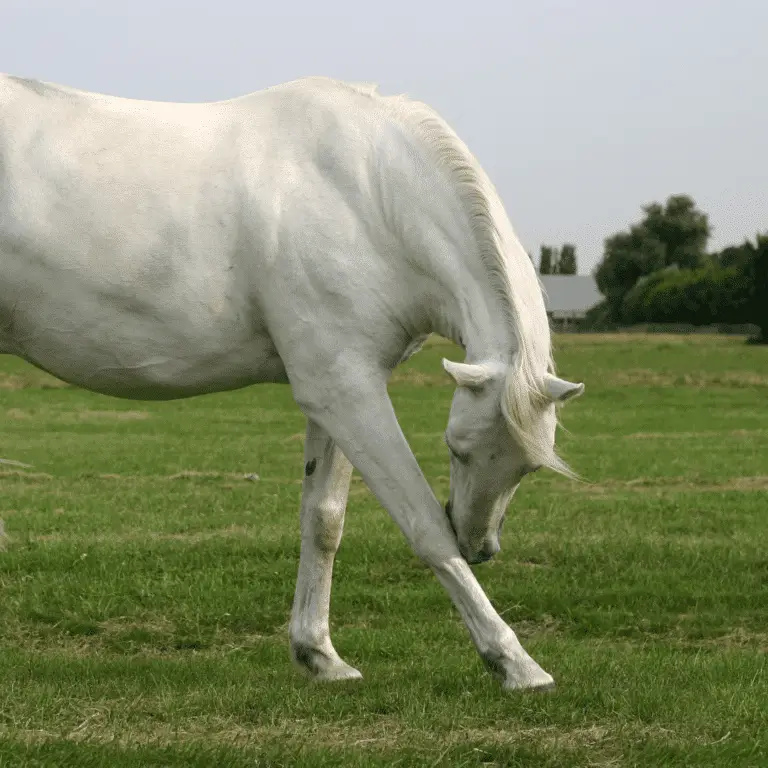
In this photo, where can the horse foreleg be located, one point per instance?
(361, 420)
(326, 485)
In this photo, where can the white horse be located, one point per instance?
(313, 233)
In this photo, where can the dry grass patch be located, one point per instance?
(22, 475)
(31, 379)
(121, 624)
(18, 414)
(193, 537)
(98, 725)
(82, 415)
(697, 435)
(117, 415)
(142, 534)
(357, 492)
(698, 379)
(150, 638)
(738, 638)
(417, 378)
(750, 483)
(689, 435)
(666, 485)
(193, 474)
(185, 474)
(647, 339)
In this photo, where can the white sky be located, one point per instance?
(579, 111)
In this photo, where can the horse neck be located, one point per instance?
(470, 312)
(455, 296)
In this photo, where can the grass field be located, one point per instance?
(146, 585)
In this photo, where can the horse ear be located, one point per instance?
(466, 375)
(559, 390)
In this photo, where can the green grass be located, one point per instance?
(146, 585)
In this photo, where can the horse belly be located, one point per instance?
(149, 351)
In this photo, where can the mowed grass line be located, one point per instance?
(147, 578)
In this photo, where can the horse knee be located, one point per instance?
(327, 525)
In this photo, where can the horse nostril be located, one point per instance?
(448, 508)
(487, 553)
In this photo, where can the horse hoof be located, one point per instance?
(323, 666)
(339, 672)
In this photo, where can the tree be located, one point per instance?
(558, 261)
(750, 261)
(756, 273)
(730, 288)
(567, 262)
(546, 264)
(673, 234)
(682, 229)
(628, 257)
(735, 255)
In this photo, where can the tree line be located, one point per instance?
(557, 261)
(660, 271)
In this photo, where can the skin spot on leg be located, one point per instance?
(310, 468)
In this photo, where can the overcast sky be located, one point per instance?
(579, 111)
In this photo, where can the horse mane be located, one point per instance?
(510, 272)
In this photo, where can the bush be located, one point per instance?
(598, 318)
(707, 295)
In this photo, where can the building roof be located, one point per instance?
(570, 293)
